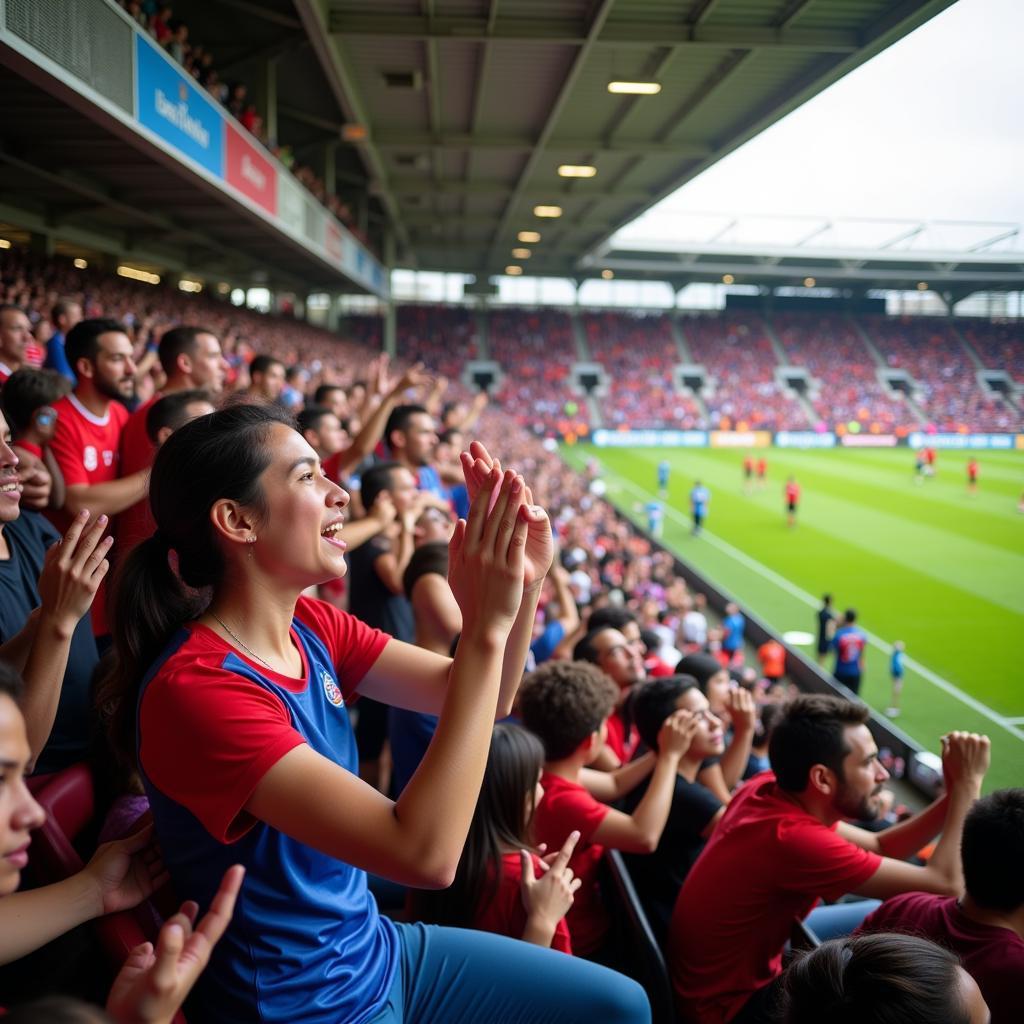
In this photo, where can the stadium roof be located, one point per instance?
(956, 258)
(470, 106)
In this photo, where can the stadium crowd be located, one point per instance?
(297, 689)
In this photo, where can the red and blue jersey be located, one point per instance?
(849, 643)
(306, 941)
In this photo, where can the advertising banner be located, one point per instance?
(174, 108)
(332, 240)
(250, 171)
(962, 441)
(291, 207)
(805, 439)
(741, 438)
(650, 438)
(869, 440)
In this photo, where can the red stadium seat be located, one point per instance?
(69, 799)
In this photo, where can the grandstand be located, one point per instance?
(230, 197)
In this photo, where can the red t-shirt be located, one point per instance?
(772, 656)
(87, 449)
(567, 806)
(504, 913)
(621, 745)
(136, 523)
(767, 862)
(237, 730)
(792, 493)
(993, 956)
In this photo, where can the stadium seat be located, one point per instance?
(642, 957)
(69, 799)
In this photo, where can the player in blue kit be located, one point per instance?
(234, 694)
(699, 498)
(663, 473)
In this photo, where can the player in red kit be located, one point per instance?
(748, 473)
(792, 499)
(972, 476)
(762, 472)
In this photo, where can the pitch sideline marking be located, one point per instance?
(1010, 725)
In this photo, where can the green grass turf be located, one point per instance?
(927, 564)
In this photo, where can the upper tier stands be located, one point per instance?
(536, 349)
(638, 351)
(998, 345)
(831, 350)
(929, 350)
(737, 353)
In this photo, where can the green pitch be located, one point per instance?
(925, 563)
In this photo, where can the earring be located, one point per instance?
(249, 541)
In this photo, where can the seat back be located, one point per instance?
(69, 799)
(644, 961)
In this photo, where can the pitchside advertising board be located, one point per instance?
(796, 439)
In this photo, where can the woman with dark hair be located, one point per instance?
(880, 979)
(501, 885)
(223, 653)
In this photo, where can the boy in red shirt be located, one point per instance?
(785, 842)
(87, 441)
(567, 704)
(985, 926)
(792, 499)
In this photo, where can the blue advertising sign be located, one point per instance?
(962, 441)
(173, 107)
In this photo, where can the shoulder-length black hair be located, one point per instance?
(501, 820)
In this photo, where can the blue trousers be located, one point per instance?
(457, 976)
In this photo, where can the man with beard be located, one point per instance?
(785, 842)
(87, 441)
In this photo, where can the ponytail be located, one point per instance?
(169, 579)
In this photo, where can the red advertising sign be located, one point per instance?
(250, 171)
(332, 240)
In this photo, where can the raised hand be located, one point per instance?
(126, 871)
(414, 377)
(73, 570)
(742, 710)
(547, 899)
(152, 984)
(36, 482)
(486, 554)
(540, 550)
(676, 733)
(965, 758)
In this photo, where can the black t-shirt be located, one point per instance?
(824, 618)
(28, 538)
(370, 600)
(659, 876)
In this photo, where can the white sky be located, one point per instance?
(932, 128)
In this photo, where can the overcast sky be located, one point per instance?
(932, 128)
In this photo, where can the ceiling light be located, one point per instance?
(223, 288)
(514, 271)
(635, 88)
(521, 254)
(547, 211)
(528, 236)
(186, 284)
(922, 286)
(809, 282)
(577, 171)
(138, 275)
(607, 274)
(4, 243)
(728, 279)
(80, 264)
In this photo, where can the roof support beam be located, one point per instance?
(571, 32)
(458, 187)
(412, 141)
(335, 67)
(565, 91)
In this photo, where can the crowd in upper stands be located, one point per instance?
(172, 33)
(268, 641)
